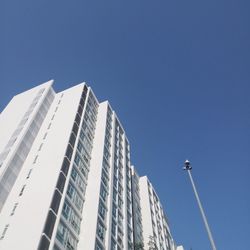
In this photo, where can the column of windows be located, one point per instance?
(104, 187)
(129, 197)
(137, 220)
(117, 224)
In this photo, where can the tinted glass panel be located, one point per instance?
(69, 152)
(75, 128)
(80, 110)
(82, 101)
(72, 139)
(60, 182)
(56, 201)
(85, 89)
(50, 222)
(44, 243)
(77, 119)
(65, 166)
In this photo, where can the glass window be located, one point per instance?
(66, 210)
(56, 201)
(60, 182)
(78, 119)
(102, 210)
(75, 128)
(120, 202)
(72, 139)
(44, 243)
(50, 222)
(114, 210)
(77, 159)
(84, 170)
(113, 228)
(75, 221)
(114, 194)
(129, 218)
(74, 174)
(104, 179)
(80, 147)
(105, 165)
(65, 166)
(71, 243)
(119, 241)
(78, 202)
(100, 230)
(82, 100)
(103, 192)
(55, 247)
(70, 191)
(81, 165)
(115, 181)
(78, 179)
(120, 218)
(120, 189)
(61, 233)
(85, 141)
(69, 152)
(113, 245)
(106, 153)
(98, 246)
(81, 184)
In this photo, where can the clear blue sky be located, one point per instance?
(177, 73)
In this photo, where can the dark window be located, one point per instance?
(69, 152)
(102, 210)
(44, 243)
(56, 201)
(85, 89)
(78, 119)
(84, 93)
(98, 246)
(82, 100)
(72, 139)
(60, 182)
(50, 223)
(56, 247)
(75, 128)
(80, 110)
(65, 166)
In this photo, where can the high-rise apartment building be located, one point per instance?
(136, 204)
(66, 180)
(156, 232)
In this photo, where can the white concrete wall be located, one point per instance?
(149, 214)
(11, 117)
(14, 111)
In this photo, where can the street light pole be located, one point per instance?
(188, 168)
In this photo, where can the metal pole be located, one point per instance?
(188, 168)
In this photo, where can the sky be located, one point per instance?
(176, 72)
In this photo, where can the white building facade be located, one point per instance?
(156, 231)
(66, 180)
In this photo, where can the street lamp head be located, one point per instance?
(187, 165)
